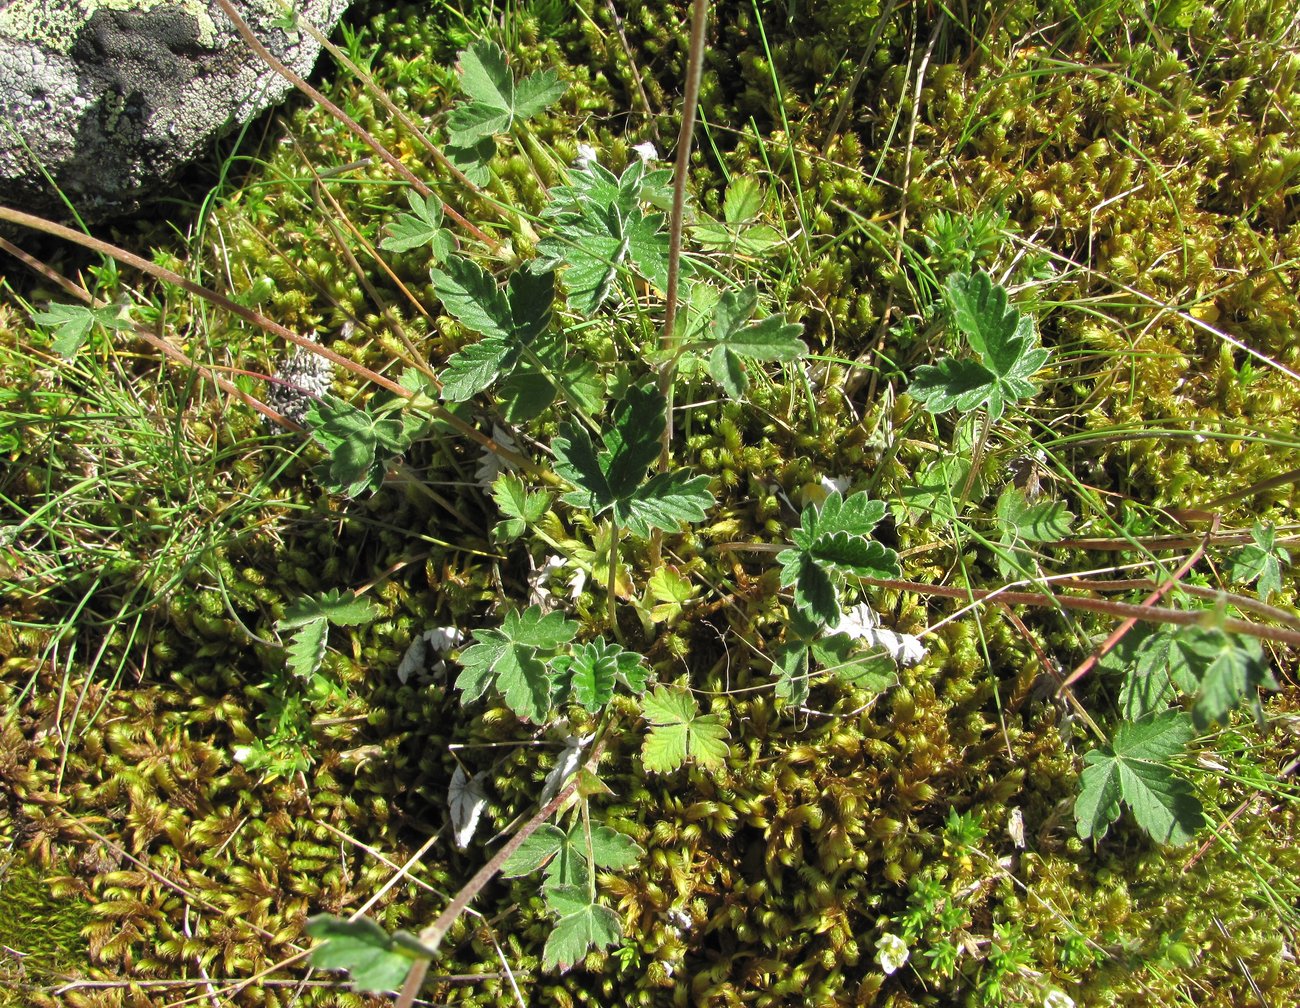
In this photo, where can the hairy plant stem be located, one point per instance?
(611, 581)
(433, 935)
(690, 98)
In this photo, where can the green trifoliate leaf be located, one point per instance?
(513, 659)
(422, 226)
(734, 339)
(359, 442)
(596, 245)
(1020, 522)
(510, 322)
(583, 925)
(377, 962)
(831, 542)
(1002, 338)
(671, 592)
(1135, 770)
(1220, 670)
(679, 732)
(614, 476)
(536, 850)
(521, 506)
(1216, 669)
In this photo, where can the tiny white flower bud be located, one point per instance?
(586, 157)
(891, 952)
(646, 152)
(1057, 999)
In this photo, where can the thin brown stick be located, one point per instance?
(433, 935)
(690, 98)
(355, 127)
(1155, 596)
(1123, 610)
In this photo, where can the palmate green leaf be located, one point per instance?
(594, 669)
(1220, 670)
(521, 506)
(567, 857)
(733, 336)
(1134, 770)
(632, 441)
(577, 461)
(614, 476)
(666, 501)
(831, 541)
(1001, 337)
(1260, 561)
(679, 733)
(422, 226)
(73, 324)
(583, 925)
(340, 608)
(512, 658)
(1042, 522)
(510, 322)
(597, 244)
(484, 76)
(377, 963)
(1216, 669)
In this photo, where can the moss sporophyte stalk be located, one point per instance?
(982, 348)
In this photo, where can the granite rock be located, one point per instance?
(111, 98)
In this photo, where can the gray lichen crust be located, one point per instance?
(112, 97)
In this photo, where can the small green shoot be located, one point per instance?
(832, 543)
(1003, 340)
(422, 226)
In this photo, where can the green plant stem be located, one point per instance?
(611, 581)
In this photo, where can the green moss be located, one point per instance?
(40, 929)
(1161, 181)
